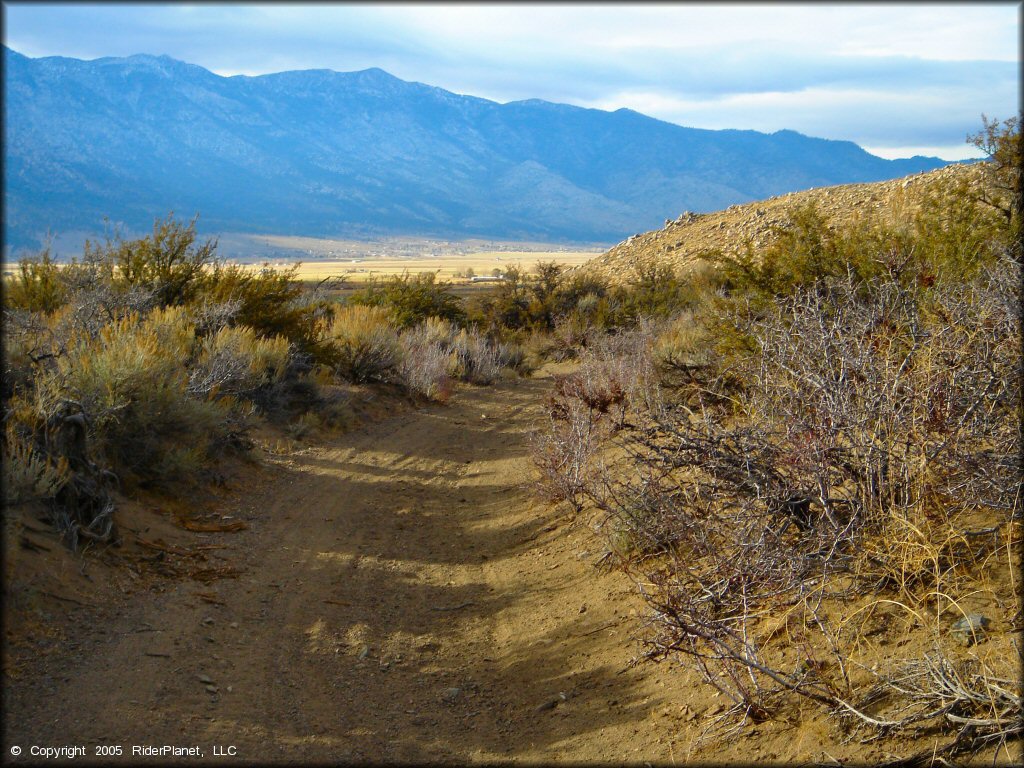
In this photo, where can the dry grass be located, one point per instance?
(446, 267)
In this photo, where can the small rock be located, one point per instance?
(971, 628)
(450, 694)
(549, 704)
(211, 689)
(364, 652)
(208, 620)
(234, 625)
(205, 679)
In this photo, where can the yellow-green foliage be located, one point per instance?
(132, 381)
(236, 361)
(436, 330)
(36, 286)
(28, 476)
(365, 343)
(270, 302)
(411, 299)
(947, 237)
(954, 234)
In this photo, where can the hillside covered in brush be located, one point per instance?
(683, 241)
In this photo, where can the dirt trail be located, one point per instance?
(402, 597)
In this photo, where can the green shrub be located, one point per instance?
(271, 303)
(365, 344)
(169, 262)
(411, 299)
(946, 237)
(505, 307)
(656, 289)
(36, 286)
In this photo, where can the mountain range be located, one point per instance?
(362, 154)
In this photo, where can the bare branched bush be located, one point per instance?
(616, 374)
(564, 451)
(876, 420)
(209, 317)
(569, 336)
(427, 359)
(480, 361)
(29, 343)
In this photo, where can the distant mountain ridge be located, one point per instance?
(350, 154)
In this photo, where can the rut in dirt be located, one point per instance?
(402, 596)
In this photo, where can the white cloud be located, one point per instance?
(883, 75)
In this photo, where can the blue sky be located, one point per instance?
(898, 79)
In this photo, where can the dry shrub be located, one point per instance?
(683, 350)
(481, 361)
(878, 424)
(28, 342)
(365, 343)
(616, 374)
(236, 362)
(28, 475)
(569, 336)
(564, 450)
(427, 359)
(131, 385)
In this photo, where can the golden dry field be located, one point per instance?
(358, 261)
(446, 267)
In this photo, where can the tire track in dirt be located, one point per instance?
(402, 597)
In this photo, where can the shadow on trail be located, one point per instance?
(390, 620)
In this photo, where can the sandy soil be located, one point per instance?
(398, 595)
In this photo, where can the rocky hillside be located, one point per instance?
(682, 240)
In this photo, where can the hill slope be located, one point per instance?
(328, 153)
(682, 240)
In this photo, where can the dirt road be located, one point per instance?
(401, 597)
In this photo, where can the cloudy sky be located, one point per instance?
(897, 79)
